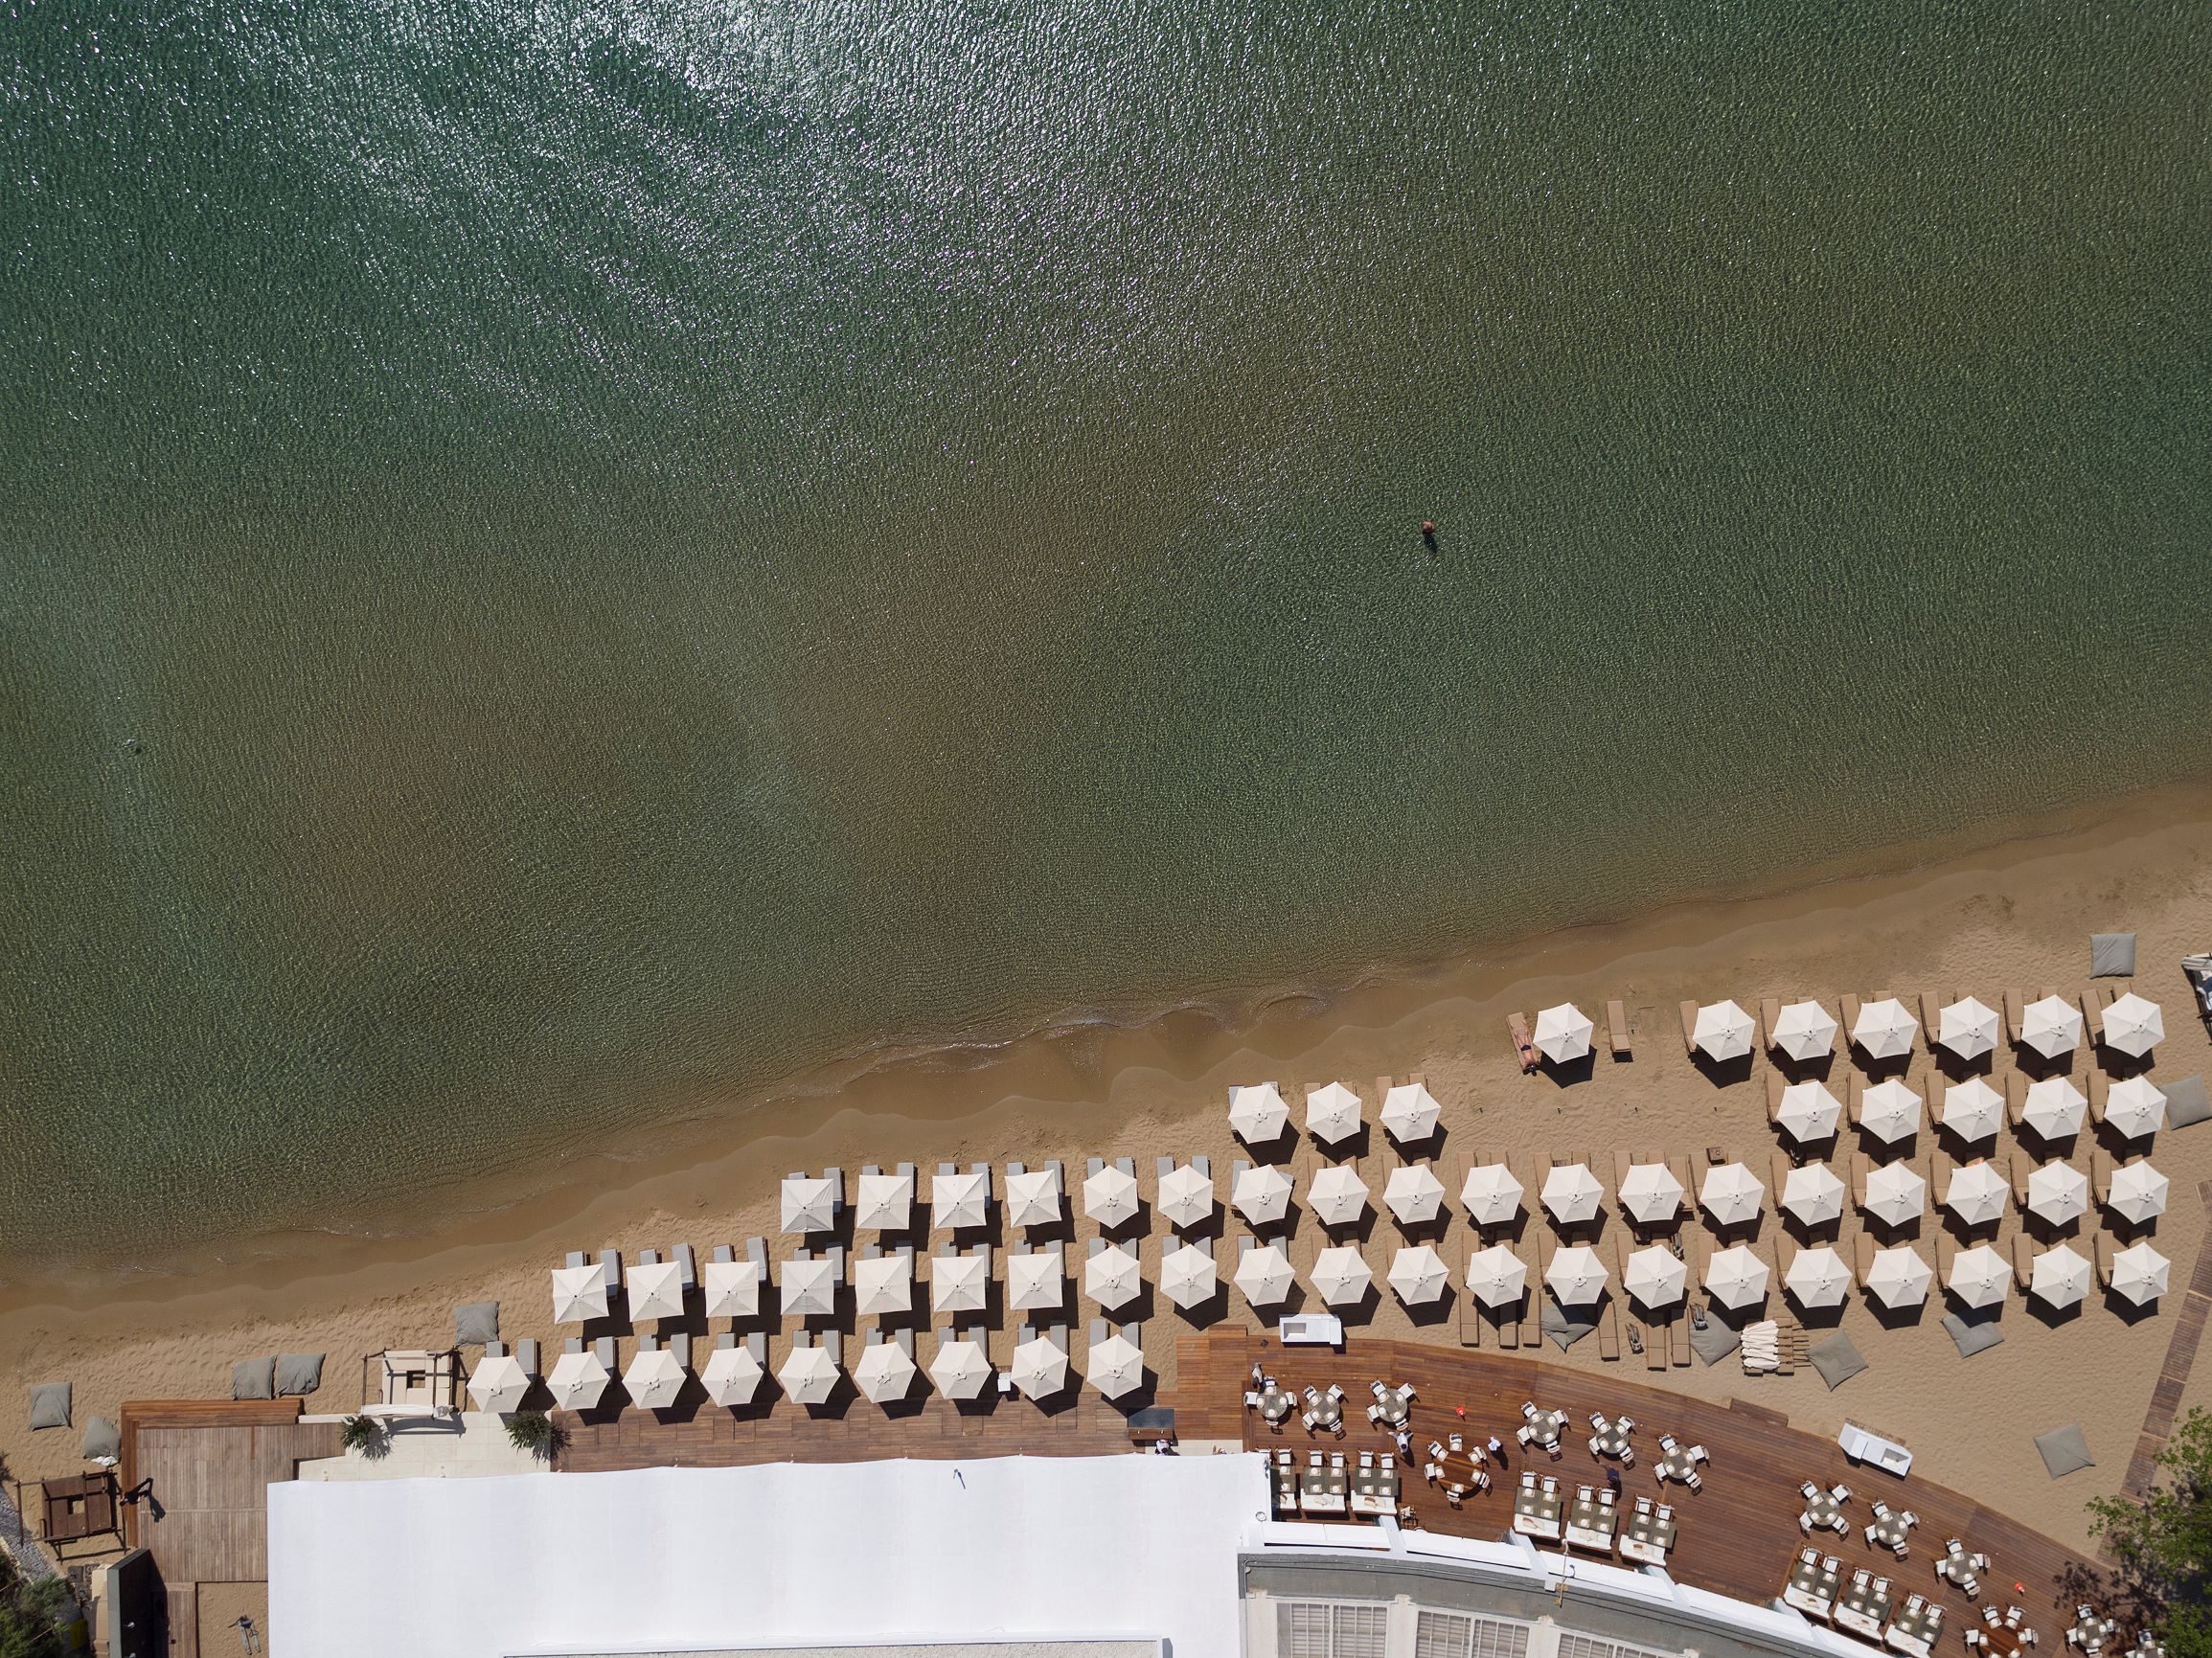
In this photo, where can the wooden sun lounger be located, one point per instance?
(1469, 1321)
(2100, 1085)
(1679, 1165)
(1862, 1257)
(1931, 1005)
(1509, 1323)
(2015, 1014)
(2100, 1175)
(1850, 1015)
(1690, 1029)
(2017, 1169)
(2023, 1257)
(1609, 1331)
(1617, 1030)
(1524, 1045)
(1859, 1179)
(1945, 1252)
(1655, 1344)
(2016, 1098)
(1769, 1012)
(2093, 1006)
(1855, 1100)
(2101, 1257)
(1775, 1084)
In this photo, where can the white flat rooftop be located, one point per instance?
(1010, 1551)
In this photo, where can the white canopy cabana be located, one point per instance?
(1735, 1277)
(2135, 1107)
(578, 1380)
(2133, 1025)
(1418, 1275)
(1262, 1194)
(1109, 1196)
(1337, 1194)
(1039, 1369)
(961, 1368)
(654, 1379)
(2051, 1026)
(2058, 1277)
(1257, 1114)
(883, 1284)
(1808, 1112)
(1341, 1275)
(1410, 1113)
(1571, 1194)
(2059, 1193)
(1034, 1197)
(810, 1203)
(1976, 1194)
(1723, 1031)
(2054, 1108)
(1979, 1276)
(1817, 1278)
(1968, 1028)
(1812, 1194)
(1896, 1194)
(498, 1383)
(883, 1202)
(1972, 1110)
(1803, 1030)
(809, 1374)
(2138, 1191)
(657, 1289)
(1036, 1282)
(1112, 1278)
(2139, 1273)
(1884, 1030)
(732, 1375)
(1655, 1278)
(1331, 1113)
(1899, 1278)
(1496, 1277)
(1576, 1276)
(884, 1374)
(811, 1287)
(1115, 1367)
(579, 1294)
(960, 1200)
(1562, 1034)
(1731, 1194)
(1490, 1196)
(1186, 1197)
(1890, 1111)
(1264, 1275)
(1414, 1194)
(960, 1283)
(733, 1289)
(1187, 1276)
(1650, 1193)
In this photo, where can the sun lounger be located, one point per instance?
(604, 1350)
(610, 1268)
(1128, 1166)
(2101, 1257)
(2024, 1254)
(1945, 1252)
(723, 1255)
(2093, 1006)
(2100, 1175)
(2100, 1088)
(1609, 1331)
(834, 1344)
(1859, 1179)
(1775, 1084)
(1850, 1015)
(1094, 1166)
(1690, 1029)
(682, 1253)
(576, 1259)
(1931, 1005)
(526, 1355)
(2015, 1014)
(1769, 1011)
(1863, 1252)
(1679, 1165)
(1617, 1030)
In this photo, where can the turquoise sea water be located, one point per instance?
(561, 560)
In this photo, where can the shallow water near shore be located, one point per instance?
(560, 564)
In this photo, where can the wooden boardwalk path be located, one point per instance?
(2174, 1373)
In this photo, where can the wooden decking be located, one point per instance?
(2174, 1373)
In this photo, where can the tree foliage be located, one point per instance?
(27, 1614)
(2163, 1541)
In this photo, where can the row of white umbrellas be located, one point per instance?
(1259, 1115)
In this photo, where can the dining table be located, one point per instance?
(1676, 1464)
(1611, 1439)
(1890, 1529)
(1812, 1586)
(1646, 1534)
(1590, 1521)
(1327, 1412)
(1276, 1402)
(1375, 1491)
(1324, 1490)
(1536, 1512)
(2090, 1632)
(1863, 1607)
(1397, 1406)
(1914, 1630)
(1546, 1426)
(1824, 1512)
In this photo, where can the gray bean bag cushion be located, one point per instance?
(476, 1324)
(1563, 1327)
(50, 1405)
(1836, 1359)
(1971, 1338)
(103, 1441)
(1715, 1342)
(2111, 955)
(2065, 1450)
(299, 1373)
(254, 1379)
(2185, 1102)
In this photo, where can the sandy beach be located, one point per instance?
(2015, 916)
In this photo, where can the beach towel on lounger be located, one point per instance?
(2064, 1451)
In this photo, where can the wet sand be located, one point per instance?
(2013, 916)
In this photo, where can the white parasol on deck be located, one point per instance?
(498, 1383)
(1039, 1369)
(654, 1378)
(961, 1368)
(1116, 1366)
(732, 1377)
(885, 1374)
(809, 1374)
(578, 1380)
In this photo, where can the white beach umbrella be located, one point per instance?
(1409, 1112)
(1337, 1194)
(1819, 1277)
(2139, 1273)
(2054, 1108)
(1116, 1366)
(1496, 1277)
(1807, 1111)
(1968, 1028)
(1491, 1194)
(654, 1378)
(2138, 1191)
(732, 1377)
(1418, 1275)
(1731, 1194)
(1898, 1277)
(810, 1203)
(1264, 1275)
(2135, 1107)
(2133, 1025)
(1577, 1277)
(1262, 1194)
(2051, 1026)
(1109, 1196)
(1650, 1193)
(1804, 1031)
(1331, 1113)
(1562, 1034)
(733, 1289)
(1037, 1281)
(1414, 1194)
(883, 1202)
(811, 1288)
(1110, 1277)
(2059, 1193)
(1187, 1196)
(1256, 1113)
(1884, 1030)
(1039, 1369)
(1571, 1194)
(657, 1289)
(884, 1373)
(960, 1283)
(1034, 1197)
(2058, 1277)
(1735, 1277)
(960, 1200)
(1890, 1111)
(883, 1285)
(498, 1383)
(1972, 1110)
(961, 1368)
(1895, 1193)
(1979, 1276)
(1976, 1194)
(579, 1294)
(1812, 1194)
(1187, 1276)
(809, 1374)
(578, 1380)
(1654, 1277)
(1722, 1030)
(1341, 1275)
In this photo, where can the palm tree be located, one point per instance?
(532, 1431)
(365, 1434)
